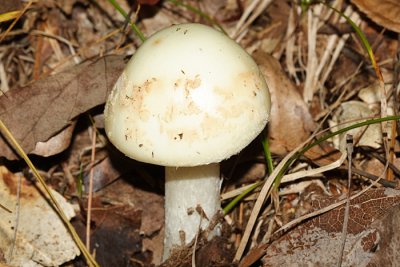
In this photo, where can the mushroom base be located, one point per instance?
(185, 189)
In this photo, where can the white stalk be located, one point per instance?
(185, 189)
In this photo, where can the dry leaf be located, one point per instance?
(42, 238)
(55, 144)
(175, 14)
(39, 111)
(150, 212)
(115, 232)
(7, 6)
(163, 17)
(290, 123)
(107, 171)
(371, 94)
(272, 36)
(371, 233)
(323, 154)
(346, 115)
(383, 12)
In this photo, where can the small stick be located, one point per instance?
(17, 214)
(90, 196)
(349, 142)
(5, 208)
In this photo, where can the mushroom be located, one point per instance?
(189, 98)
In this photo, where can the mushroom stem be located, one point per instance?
(185, 189)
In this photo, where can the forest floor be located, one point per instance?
(60, 59)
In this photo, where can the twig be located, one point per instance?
(349, 142)
(90, 196)
(195, 242)
(395, 105)
(312, 60)
(372, 177)
(5, 208)
(15, 21)
(243, 18)
(17, 213)
(249, 15)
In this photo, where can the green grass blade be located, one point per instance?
(134, 27)
(363, 39)
(297, 155)
(267, 154)
(305, 5)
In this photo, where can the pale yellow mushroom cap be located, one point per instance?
(189, 96)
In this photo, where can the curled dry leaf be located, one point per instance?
(55, 144)
(39, 111)
(42, 238)
(372, 238)
(290, 123)
(383, 12)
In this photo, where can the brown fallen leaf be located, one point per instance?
(39, 111)
(104, 173)
(290, 123)
(7, 6)
(383, 12)
(55, 144)
(272, 36)
(318, 241)
(323, 154)
(115, 234)
(127, 221)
